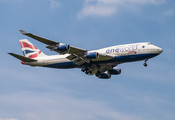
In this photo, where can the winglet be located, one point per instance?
(23, 32)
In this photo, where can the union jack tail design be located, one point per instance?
(29, 50)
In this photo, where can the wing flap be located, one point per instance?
(77, 59)
(25, 59)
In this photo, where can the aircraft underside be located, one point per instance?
(99, 67)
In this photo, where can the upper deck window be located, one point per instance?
(149, 43)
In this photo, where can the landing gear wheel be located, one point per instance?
(145, 64)
(83, 69)
(98, 74)
(88, 72)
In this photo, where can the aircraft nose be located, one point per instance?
(160, 50)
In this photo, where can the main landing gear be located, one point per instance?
(86, 70)
(145, 64)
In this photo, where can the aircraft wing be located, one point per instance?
(77, 55)
(25, 59)
(38, 38)
(52, 44)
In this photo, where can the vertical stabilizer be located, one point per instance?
(29, 50)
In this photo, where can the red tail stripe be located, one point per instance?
(24, 44)
(35, 55)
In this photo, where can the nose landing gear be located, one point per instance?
(145, 64)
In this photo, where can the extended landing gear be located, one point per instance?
(83, 69)
(86, 70)
(98, 74)
(145, 64)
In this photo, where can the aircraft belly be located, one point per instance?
(63, 65)
(136, 57)
(60, 63)
(66, 64)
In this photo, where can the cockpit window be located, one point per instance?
(149, 43)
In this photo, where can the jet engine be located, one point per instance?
(114, 71)
(104, 76)
(63, 47)
(92, 55)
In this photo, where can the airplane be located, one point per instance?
(101, 62)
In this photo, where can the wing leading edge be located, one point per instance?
(52, 45)
(40, 39)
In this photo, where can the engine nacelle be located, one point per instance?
(93, 55)
(63, 47)
(104, 76)
(114, 71)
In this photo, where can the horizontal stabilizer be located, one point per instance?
(25, 59)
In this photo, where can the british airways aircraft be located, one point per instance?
(100, 62)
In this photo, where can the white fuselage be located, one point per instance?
(121, 54)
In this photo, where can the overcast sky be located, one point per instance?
(139, 93)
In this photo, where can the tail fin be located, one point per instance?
(29, 50)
